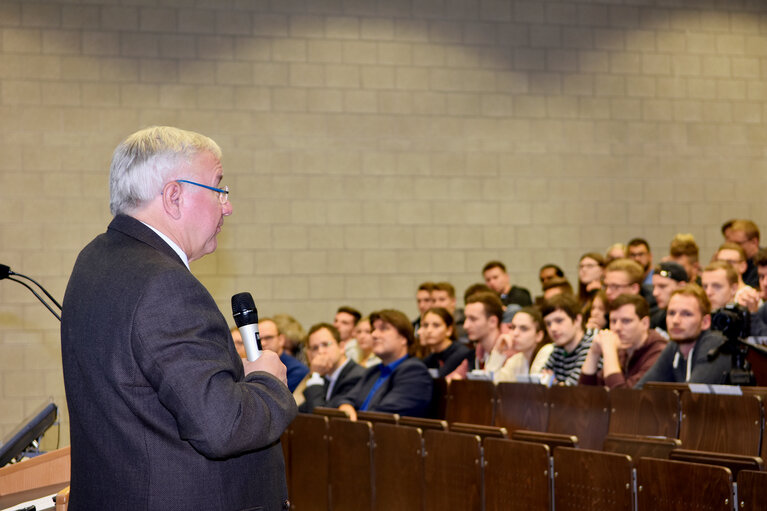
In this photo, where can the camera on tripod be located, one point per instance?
(734, 322)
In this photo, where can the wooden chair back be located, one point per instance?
(350, 446)
(752, 490)
(649, 412)
(398, 468)
(582, 411)
(513, 485)
(586, 479)
(678, 486)
(721, 423)
(309, 461)
(522, 406)
(471, 401)
(452, 471)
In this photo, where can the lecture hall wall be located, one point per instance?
(371, 145)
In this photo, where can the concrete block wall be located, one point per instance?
(371, 145)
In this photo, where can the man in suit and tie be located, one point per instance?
(164, 414)
(333, 373)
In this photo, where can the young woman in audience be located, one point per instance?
(596, 312)
(437, 336)
(362, 332)
(590, 272)
(528, 338)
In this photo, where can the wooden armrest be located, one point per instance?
(479, 430)
(551, 439)
(735, 462)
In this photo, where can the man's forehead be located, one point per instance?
(714, 275)
(344, 316)
(616, 275)
(625, 311)
(683, 302)
(321, 335)
(660, 280)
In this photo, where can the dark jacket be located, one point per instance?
(314, 395)
(633, 368)
(702, 371)
(448, 360)
(407, 391)
(162, 415)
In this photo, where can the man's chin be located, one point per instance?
(685, 340)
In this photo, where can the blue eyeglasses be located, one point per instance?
(223, 194)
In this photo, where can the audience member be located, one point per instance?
(295, 335)
(399, 384)
(685, 357)
(667, 277)
(590, 273)
(735, 255)
(627, 350)
(345, 320)
(362, 332)
(444, 296)
(556, 286)
(755, 304)
(563, 322)
(497, 278)
(720, 283)
(639, 251)
(684, 250)
(595, 312)
(746, 234)
(438, 336)
(529, 341)
(615, 251)
(549, 272)
(484, 312)
(622, 276)
(273, 340)
(333, 373)
(479, 287)
(238, 344)
(424, 301)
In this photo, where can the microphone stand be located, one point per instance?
(6, 272)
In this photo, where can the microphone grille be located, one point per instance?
(242, 302)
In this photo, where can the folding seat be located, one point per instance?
(471, 401)
(587, 479)
(308, 484)
(452, 471)
(752, 490)
(350, 452)
(664, 485)
(522, 406)
(398, 467)
(517, 475)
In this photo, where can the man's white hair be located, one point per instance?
(146, 160)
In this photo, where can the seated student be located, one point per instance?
(685, 357)
(272, 339)
(438, 337)
(484, 313)
(528, 339)
(562, 317)
(720, 283)
(666, 278)
(333, 373)
(591, 268)
(627, 350)
(755, 302)
(362, 332)
(596, 312)
(399, 384)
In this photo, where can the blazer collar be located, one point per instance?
(129, 226)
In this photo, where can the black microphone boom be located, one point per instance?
(5, 272)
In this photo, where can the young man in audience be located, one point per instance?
(720, 283)
(273, 340)
(549, 272)
(562, 317)
(735, 255)
(399, 384)
(684, 250)
(746, 234)
(622, 276)
(424, 301)
(627, 350)
(484, 313)
(685, 357)
(556, 286)
(639, 251)
(755, 302)
(345, 320)
(667, 277)
(497, 278)
(333, 373)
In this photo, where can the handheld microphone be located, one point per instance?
(246, 319)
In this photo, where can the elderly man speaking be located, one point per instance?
(164, 414)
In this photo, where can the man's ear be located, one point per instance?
(172, 199)
(705, 324)
(636, 289)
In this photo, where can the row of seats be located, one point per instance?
(391, 463)
(599, 418)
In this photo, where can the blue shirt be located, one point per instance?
(386, 371)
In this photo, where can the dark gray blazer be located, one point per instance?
(162, 415)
